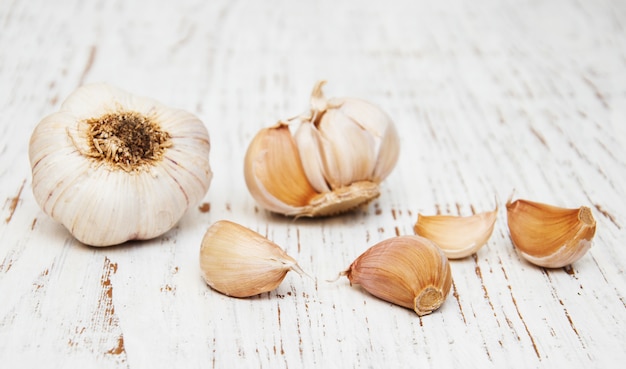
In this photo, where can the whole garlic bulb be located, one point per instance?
(334, 162)
(409, 271)
(113, 167)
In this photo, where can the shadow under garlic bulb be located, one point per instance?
(111, 166)
(334, 161)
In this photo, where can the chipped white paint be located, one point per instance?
(489, 96)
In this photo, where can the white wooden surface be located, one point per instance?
(490, 96)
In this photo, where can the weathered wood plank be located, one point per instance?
(491, 98)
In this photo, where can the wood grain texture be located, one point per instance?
(490, 97)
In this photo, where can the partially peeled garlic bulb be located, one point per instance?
(336, 159)
(457, 236)
(112, 167)
(409, 271)
(239, 262)
(550, 236)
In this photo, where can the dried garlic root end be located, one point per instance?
(457, 236)
(429, 300)
(586, 216)
(341, 200)
(550, 236)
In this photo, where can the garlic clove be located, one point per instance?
(308, 140)
(348, 151)
(274, 173)
(343, 157)
(111, 166)
(409, 271)
(360, 141)
(239, 262)
(550, 236)
(457, 236)
(387, 157)
(380, 127)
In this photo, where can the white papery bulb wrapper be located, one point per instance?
(112, 167)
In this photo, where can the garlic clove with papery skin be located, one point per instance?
(550, 236)
(111, 166)
(239, 262)
(409, 271)
(274, 171)
(334, 161)
(457, 236)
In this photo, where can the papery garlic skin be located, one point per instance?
(335, 161)
(239, 262)
(550, 236)
(143, 194)
(562, 257)
(457, 236)
(409, 271)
